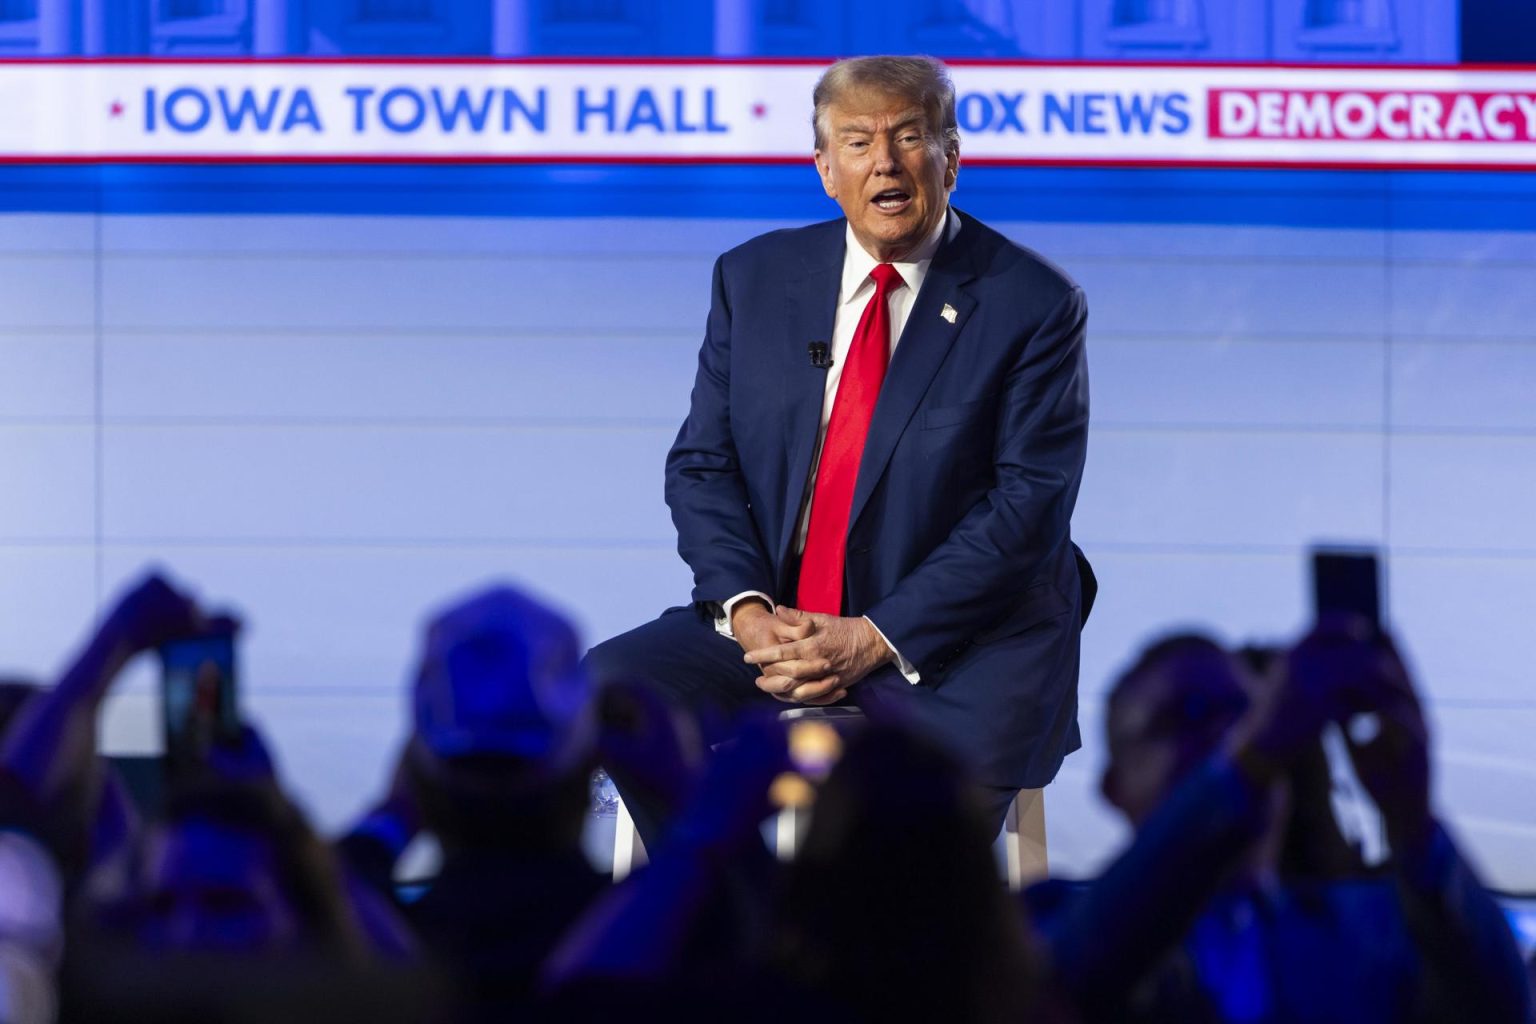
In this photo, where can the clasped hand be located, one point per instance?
(808, 657)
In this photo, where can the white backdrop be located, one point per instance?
(332, 423)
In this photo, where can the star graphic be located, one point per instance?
(116, 109)
(759, 110)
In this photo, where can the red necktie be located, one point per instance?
(821, 565)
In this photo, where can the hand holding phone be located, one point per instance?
(1346, 589)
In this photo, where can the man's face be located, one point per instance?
(887, 168)
(214, 888)
(1166, 723)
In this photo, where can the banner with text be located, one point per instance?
(1016, 114)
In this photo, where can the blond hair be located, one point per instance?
(924, 80)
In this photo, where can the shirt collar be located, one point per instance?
(857, 263)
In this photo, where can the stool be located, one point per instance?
(628, 850)
(1024, 839)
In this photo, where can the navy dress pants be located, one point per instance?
(681, 656)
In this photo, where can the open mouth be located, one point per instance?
(892, 200)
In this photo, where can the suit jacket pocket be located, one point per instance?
(949, 415)
(1042, 601)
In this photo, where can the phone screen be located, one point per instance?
(197, 696)
(1347, 581)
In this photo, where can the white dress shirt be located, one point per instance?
(854, 294)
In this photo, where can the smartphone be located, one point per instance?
(1347, 580)
(198, 696)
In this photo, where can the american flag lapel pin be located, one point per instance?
(948, 313)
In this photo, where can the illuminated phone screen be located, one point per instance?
(197, 695)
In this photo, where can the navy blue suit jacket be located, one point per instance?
(958, 544)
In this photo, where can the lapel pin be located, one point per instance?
(948, 313)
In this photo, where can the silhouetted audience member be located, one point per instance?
(1237, 900)
(892, 911)
(50, 778)
(31, 922)
(238, 912)
(232, 879)
(1530, 978)
(894, 901)
(1201, 771)
(232, 866)
(498, 770)
(1313, 844)
(31, 896)
(113, 820)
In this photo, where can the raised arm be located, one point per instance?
(1473, 965)
(48, 755)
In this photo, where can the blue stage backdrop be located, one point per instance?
(333, 396)
(1231, 30)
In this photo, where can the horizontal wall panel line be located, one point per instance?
(1112, 426)
(1089, 544)
(71, 542)
(1102, 427)
(1105, 425)
(33, 330)
(1107, 429)
(1470, 262)
(580, 259)
(47, 255)
(480, 423)
(1093, 546)
(510, 332)
(1455, 340)
(9, 545)
(1376, 335)
(52, 253)
(1475, 704)
(641, 333)
(352, 544)
(1207, 337)
(1430, 553)
(1402, 430)
(1225, 263)
(433, 255)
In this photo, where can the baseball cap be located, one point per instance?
(501, 674)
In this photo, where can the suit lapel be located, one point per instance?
(810, 306)
(925, 341)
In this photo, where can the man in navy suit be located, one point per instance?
(875, 481)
